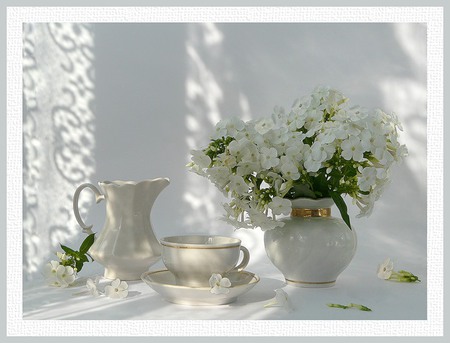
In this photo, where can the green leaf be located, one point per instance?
(300, 190)
(340, 203)
(87, 243)
(79, 266)
(320, 185)
(84, 258)
(68, 251)
(338, 306)
(364, 308)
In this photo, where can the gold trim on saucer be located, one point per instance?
(309, 212)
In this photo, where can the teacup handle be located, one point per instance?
(98, 197)
(245, 259)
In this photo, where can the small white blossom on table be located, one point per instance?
(281, 299)
(117, 290)
(386, 272)
(385, 269)
(219, 284)
(92, 285)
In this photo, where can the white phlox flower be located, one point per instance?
(278, 115)
(281, 299)
(227, 160)
(385, 269)
(261, 220)
(365, 204)
(58, 275)
(65, 275)
(247, 168)
(296, 119)
(401, 153)
(312, 165)
(386, 272)
(321, 152)
(367, 179)
(239, 149)
(238, 185)
(269, 158)
(313, 124)
(278, 136)
(264, 125)
(251, 153)
(49, 271)
(229, 127)
(327, 136)
(200, 158)
(61, 256)
(92, 286)
(289, 170)
(220, 176)
(280, 206)
(352, 149)
(219, 284)
(384, 157)
(117, 289)
(371, 142)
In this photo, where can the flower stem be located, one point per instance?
(351, 305)
(404, 276)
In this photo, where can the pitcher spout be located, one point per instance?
(154, 187)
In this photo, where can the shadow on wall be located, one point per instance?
(58, 133)
(161, 88)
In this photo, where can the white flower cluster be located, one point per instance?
(58, 275)
(116, 290)
(321, 146)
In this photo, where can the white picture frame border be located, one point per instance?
(431, 16)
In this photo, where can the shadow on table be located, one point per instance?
(48, 303)
(263, 291)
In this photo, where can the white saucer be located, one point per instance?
(163, 282)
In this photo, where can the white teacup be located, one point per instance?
(194, 258)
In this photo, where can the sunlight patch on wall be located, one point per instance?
(209, 81)
(203, 98)
(407, 96)
(58, 134)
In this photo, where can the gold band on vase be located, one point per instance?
(311, 283)
(309, 212)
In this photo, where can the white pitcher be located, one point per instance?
(126, 246)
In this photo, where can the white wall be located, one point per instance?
(160, 88)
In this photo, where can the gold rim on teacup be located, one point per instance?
(200, 242)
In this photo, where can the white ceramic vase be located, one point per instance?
(312, 248)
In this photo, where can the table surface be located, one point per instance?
(357, 284)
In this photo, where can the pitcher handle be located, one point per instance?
(245, 259)
(98, 197)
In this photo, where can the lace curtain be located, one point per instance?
(58, 133)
